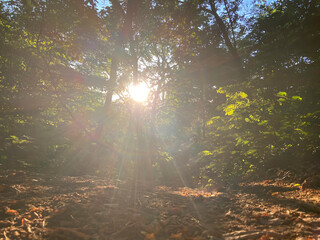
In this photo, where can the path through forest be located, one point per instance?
(42, 206)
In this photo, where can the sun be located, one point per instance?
(139, 92)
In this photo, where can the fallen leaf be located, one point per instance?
(44, 223)
(11, 212)
(176, 235)
(16, 233)
(35, 214)
(150, 236)
(264, 237)
(275, 193)
(5, 236)
(35, 209)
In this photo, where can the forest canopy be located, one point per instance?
(233, 87)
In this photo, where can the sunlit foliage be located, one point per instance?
(231, 92)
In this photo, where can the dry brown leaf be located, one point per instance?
(150, 236)
(25, 220)
(29, 229)
(11, 212)
(264, 237)
(5, 236)
(176, 235)
(16, 233)
(35, 209)
(35, 214)
(44, 223)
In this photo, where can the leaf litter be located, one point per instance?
(88, 207)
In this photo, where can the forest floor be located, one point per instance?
(42, 206)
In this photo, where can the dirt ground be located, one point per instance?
(42, 206)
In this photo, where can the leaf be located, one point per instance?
(176, 235)
(296, 98)
(11, 212)
(281, 94)
(221, 90)
(24, 221)
(296, 185)
(264, 237)
(206, 153)
(150, 236)
(243, 95)
(267, 181)
(35, 209)
(229, 109)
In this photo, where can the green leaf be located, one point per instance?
(281, 94)
(221, 90)
(296, 98)
(206, 153)
(243, 95)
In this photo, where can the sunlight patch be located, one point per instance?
(139, 92)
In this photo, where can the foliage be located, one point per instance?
(229, 94)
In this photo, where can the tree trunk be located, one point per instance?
(225, 34)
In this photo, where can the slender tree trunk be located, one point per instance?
(225, 34)
(125, 35)
(203, 103)
(112, 80)
(231, 23)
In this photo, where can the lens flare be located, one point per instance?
(139, 92)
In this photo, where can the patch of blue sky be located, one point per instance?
(101, 4)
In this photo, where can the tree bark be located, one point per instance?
(225, 34)
(125, 35)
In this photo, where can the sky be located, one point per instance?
(247, 5)
(102, 3)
